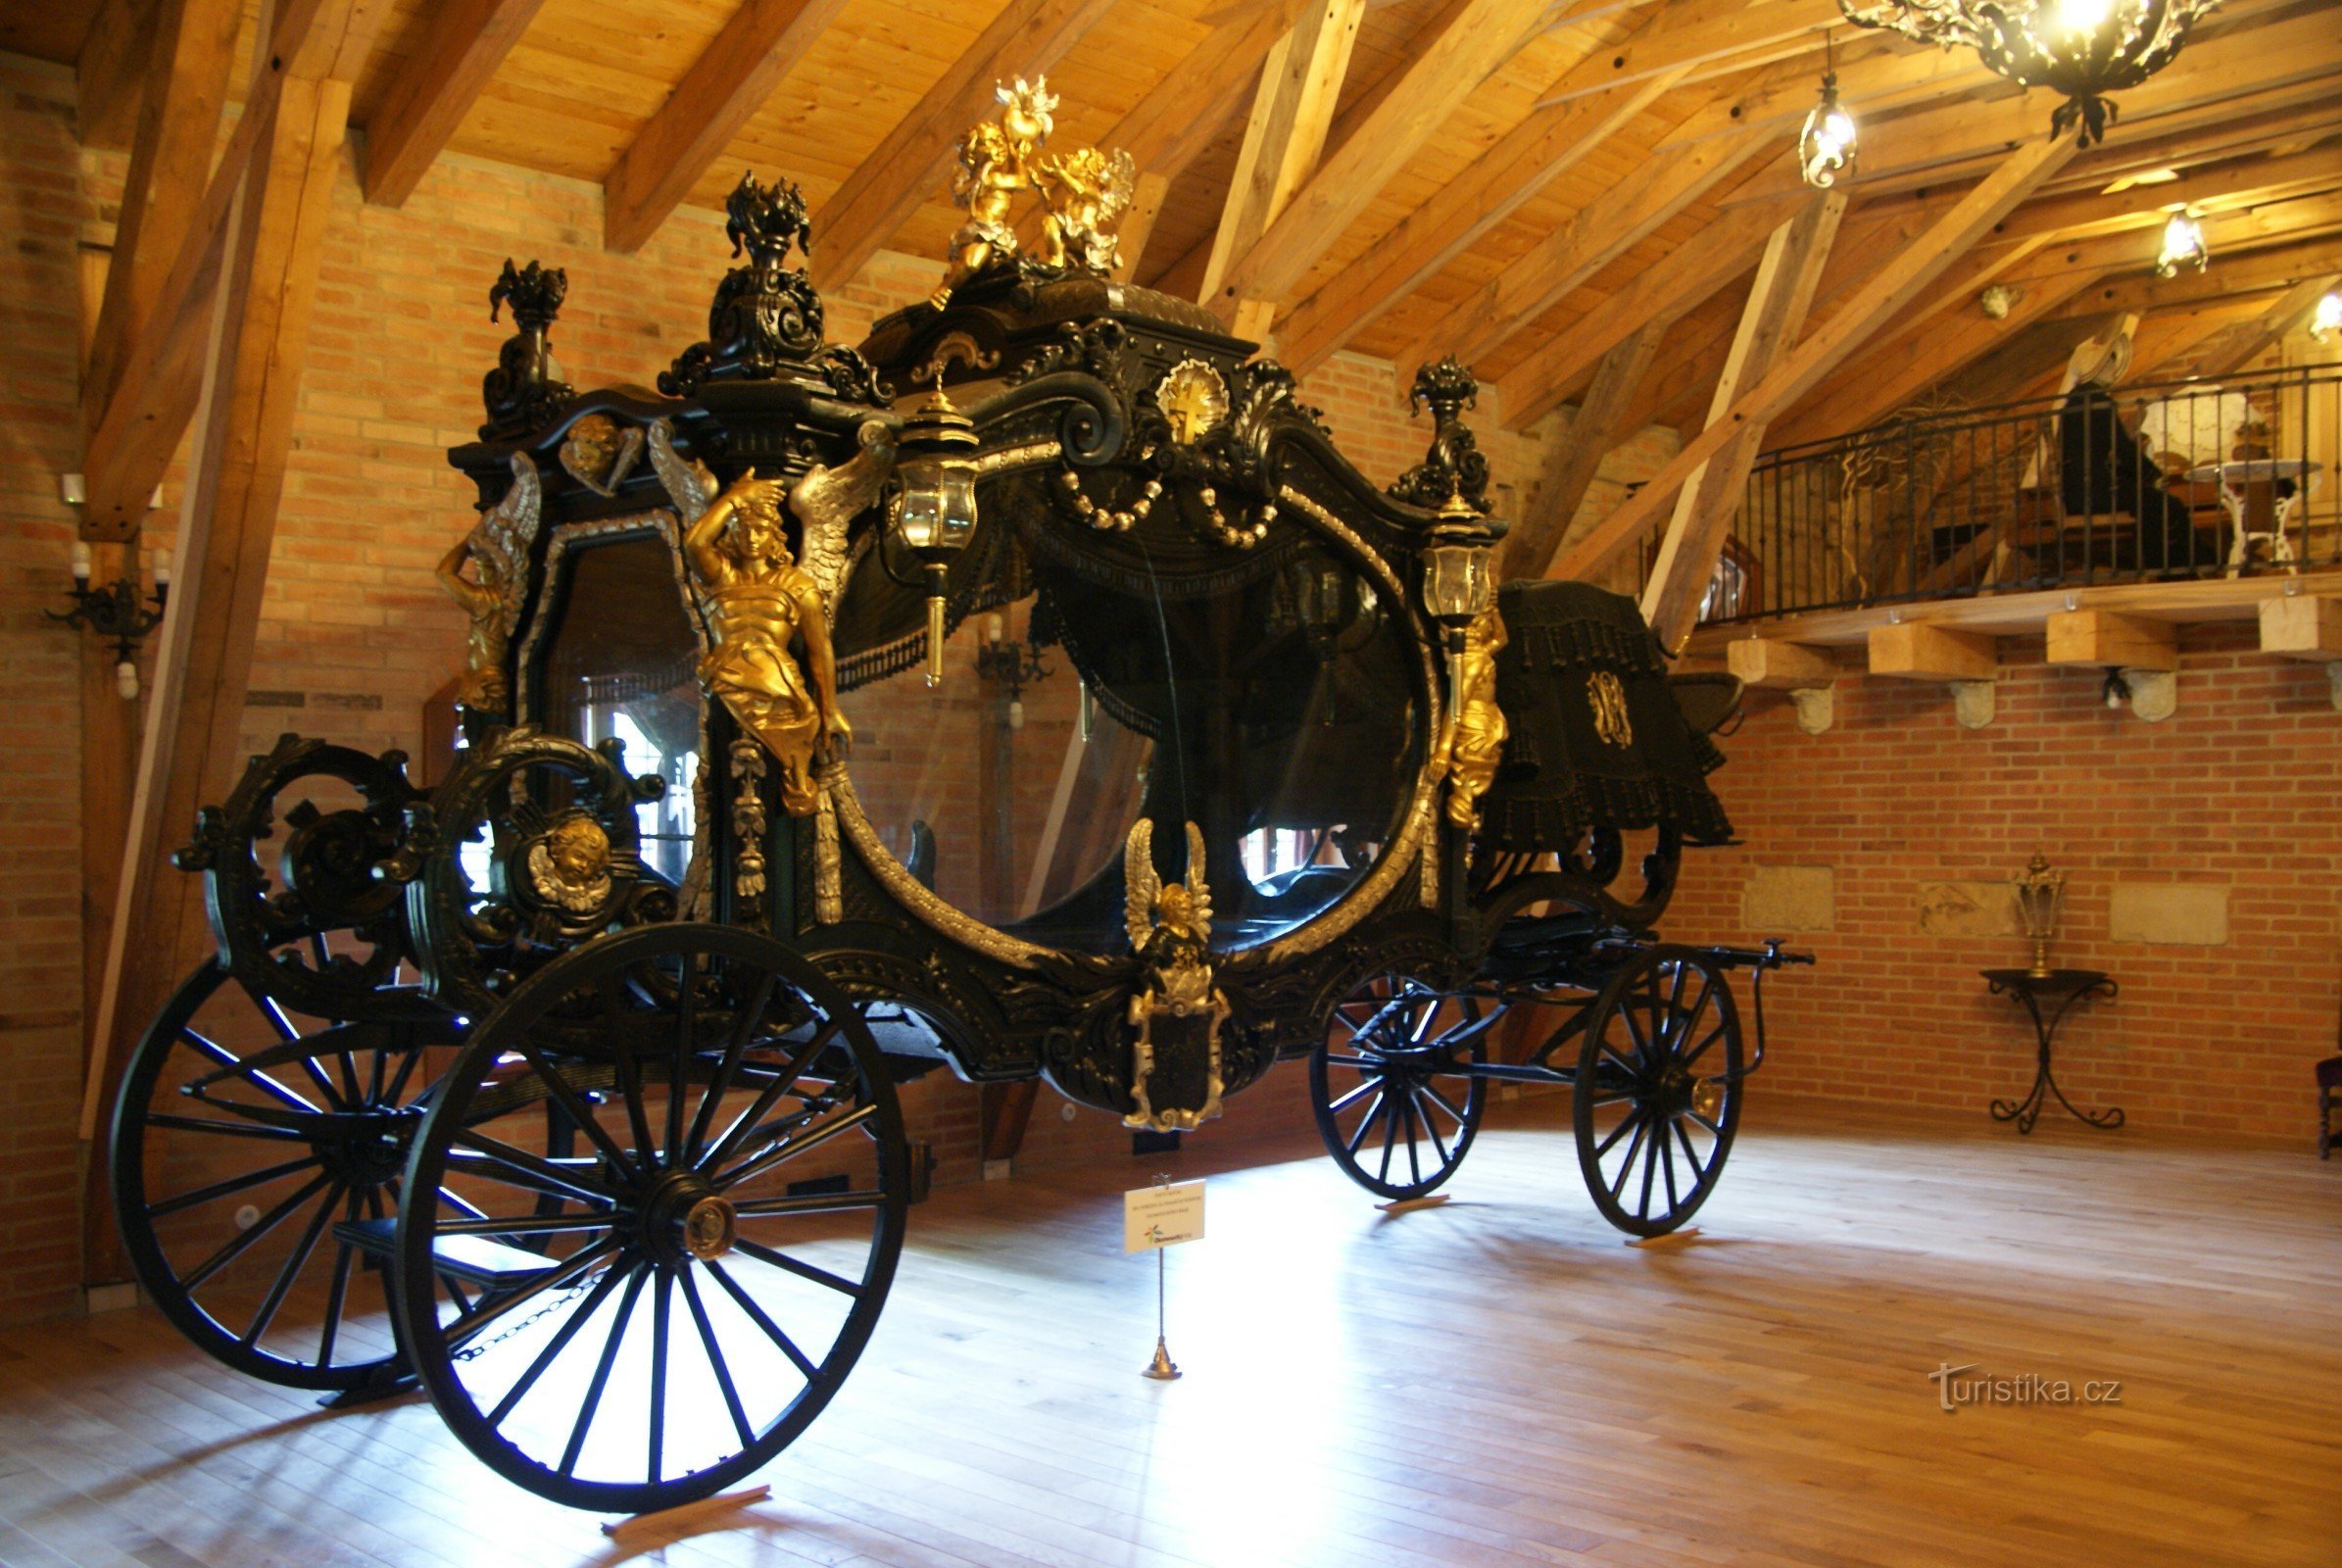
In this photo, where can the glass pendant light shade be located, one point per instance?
(2182, 246)
(2083, 49)
(1827, 150)
(2325, 321)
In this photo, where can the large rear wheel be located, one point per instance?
(641, 1318)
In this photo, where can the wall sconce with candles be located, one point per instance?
(1014, 664)
(116, 612)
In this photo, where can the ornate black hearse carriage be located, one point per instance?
(584, 1061)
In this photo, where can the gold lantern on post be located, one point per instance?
(2039, 893)
(935, 513)
(1458, 582)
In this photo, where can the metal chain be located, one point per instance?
(566, 1297)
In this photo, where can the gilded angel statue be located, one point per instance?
(497, 549)
(1179, 1011)
(1088, 190)
(997, 163)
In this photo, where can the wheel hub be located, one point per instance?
(686, 1218)
(369, 1150)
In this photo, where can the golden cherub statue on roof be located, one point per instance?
(1086, 191)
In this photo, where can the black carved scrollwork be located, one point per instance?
(766, 316)
(1454, 465)
(311, 927)
(528, 850)
(525, 390)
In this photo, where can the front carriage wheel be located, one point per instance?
(1395, 1102)
(241, 1141)
(1658, 1089)
(644, 1318)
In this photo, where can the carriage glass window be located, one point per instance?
(1270, 701)
(621, 661)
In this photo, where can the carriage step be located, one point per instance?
(474, 1259)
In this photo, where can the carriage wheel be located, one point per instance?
(1658, 1089)
(239, 1143)
(719, 1251)
(1394, 1102)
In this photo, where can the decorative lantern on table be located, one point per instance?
(2039, 892)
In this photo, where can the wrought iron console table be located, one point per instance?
(2061, 988)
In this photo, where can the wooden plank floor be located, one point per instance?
(1497, 1380)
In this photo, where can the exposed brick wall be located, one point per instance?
(2235, 791)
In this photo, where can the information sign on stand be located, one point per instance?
(1153, 1218)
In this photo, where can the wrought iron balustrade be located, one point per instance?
(2184, 479)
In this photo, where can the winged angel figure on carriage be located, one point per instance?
(567, 1088)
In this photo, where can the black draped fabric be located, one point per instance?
(2102, 468)
(1559, 776)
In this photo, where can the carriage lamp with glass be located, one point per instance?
(1457, 581)
(2040, 894)
(934, 514)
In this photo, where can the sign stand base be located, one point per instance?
(1162, 1368)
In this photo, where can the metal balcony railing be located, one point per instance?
(2177, 481)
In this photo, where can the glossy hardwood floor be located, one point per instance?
(1497, 1380)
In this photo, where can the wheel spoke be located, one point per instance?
(558, 1180)
(680, 1073)
(221, 1189)
(1691, 1157)
(554, 1346)
(715, 1361)
(790, 1148)
(525, 1224)
(1365, 1088)
(1390, 1114)
(1650, 1169)
(662, 1311)
(1610, 1142)
(1666, 1163)
(1380, 1107)
(252, 1075)
(1626, 1168)
(806, 1271)
(592, 1401)
(467, 1327)
(236, 1249)
(1406, 1112)
(1425, 1116)
(1440, 1100)
(629, 1073)
(1701, 1048)
(756, 1315)
(734, 1050)
(770, 1096)
(294, 1264)
(572, 1103)
(807, 1203)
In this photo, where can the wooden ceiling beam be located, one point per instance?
(1555, 369)
(2277, 266)
(191, 59)
(2262, 334)
(1528, 157)
(110, 70)
(1698, 32)
(137, 425)
(1574, 454)
(1878, 302)
(902, 172)
(725, 86)
(2213, 189)
(461, 45)
(1463, 46)
(1710, 499)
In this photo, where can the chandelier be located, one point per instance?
(2084, 49)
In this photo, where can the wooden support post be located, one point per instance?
(1004, 1111)
(1769, 664)
(110, 72)
(190, 750)
(2302, 626)
(1137, 225)
(1915, 651)
(2107, 637)
(1711, 497)
(1576, 453)
(1871, 307)
(1293, 110)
